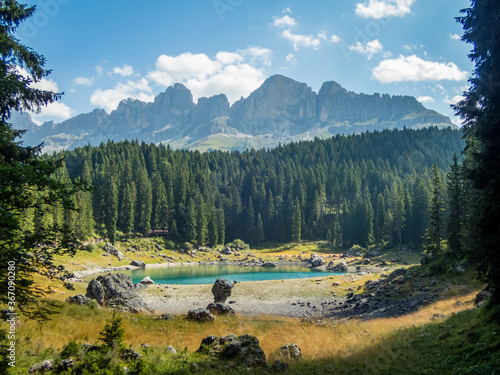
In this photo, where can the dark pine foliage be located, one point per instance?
(350, 189)
(480, 111)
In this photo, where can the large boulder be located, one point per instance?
(110, 249)
(316, 261)
(96, 291)
(222, 290)
(147, 280)
(138, 263)
(340, 267)
(116, 291)
(244, 350)
(220, 309)
(200, 315)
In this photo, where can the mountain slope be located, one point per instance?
(280, 111)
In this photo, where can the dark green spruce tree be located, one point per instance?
(433, 240)
(455, 204)
(480, 111)
(27, 182)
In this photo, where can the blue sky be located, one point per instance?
(102, 52)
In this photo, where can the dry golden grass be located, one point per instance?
(334, 339)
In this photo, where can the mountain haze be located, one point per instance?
(281, 110)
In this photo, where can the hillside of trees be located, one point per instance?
(358, 189)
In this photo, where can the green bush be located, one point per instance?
(187, 246)
(239, 244)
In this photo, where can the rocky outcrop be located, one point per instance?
(110, 249)
(116, 291)
(244, 350)
(222, 290)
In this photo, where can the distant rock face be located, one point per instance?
(117, 291)
(222, 290)
(279, 111)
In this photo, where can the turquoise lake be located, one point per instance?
(207, 274)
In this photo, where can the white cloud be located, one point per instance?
(53, 110)
(124, 71)
(99, 69)
(109, 99)
(83, 81)
(284, 21)
(229, 57)
(413, 68)
(384, 8)
(43, 84)
(335, 39)
(369, 49)
(187, 66)
(257, 55)
(291, 59)
(454, 100)
(455, 36)
(46, 84)
(234, 81)
(301, 40)
(235, 74)
(426, 99)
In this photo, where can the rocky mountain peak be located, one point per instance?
(177, 100)
(278, 96)
(279, 111)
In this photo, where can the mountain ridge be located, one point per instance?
(281, 110)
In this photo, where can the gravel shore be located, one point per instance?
(289, 298)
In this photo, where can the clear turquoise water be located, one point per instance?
(207, 274)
